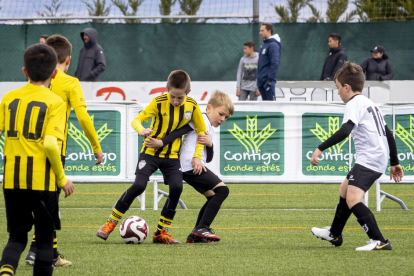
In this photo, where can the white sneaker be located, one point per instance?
(375, 245)
(325, 234)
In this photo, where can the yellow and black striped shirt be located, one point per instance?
(27, 115)
(167, 118)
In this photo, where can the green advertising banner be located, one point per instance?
(80, 159)
(316, 128)
(252, 143)
(404, 137)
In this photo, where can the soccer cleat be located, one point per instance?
(194, 239)
(164, 238)
(106, 229)
(30, 258)
(375, 245)
(325, 234)
(60, 261)
(206, 233)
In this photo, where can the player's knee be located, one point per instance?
(19, 237)
(176, 191)
(222, 191)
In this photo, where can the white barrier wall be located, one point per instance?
(143, 92)
(263, 142)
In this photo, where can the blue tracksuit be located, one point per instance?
(267, 67)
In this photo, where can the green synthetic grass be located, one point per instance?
(265, 230)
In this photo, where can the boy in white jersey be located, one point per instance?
(219, 108)
(374, 144)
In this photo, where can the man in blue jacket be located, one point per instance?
(91, 58)
(269, 61)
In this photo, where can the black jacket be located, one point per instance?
(333, 62)
(377, 69)
(91, 61)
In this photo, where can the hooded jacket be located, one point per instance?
(377, 69)
(91, 61)
(333, 62)
(269, 60)
(246, 73)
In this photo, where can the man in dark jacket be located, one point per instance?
(335, 58)
(269, 61)
(91, 61)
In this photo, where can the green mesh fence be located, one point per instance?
(211, 52)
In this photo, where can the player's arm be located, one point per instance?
(159, 143)
(54, 131)
(90, 132)
(143, 116)
(210, 153)
(200, 128)
(52, 151)
(396, 171)
(337, 137)
(239, 77)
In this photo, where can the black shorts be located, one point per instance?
(362, 177)
(202, 183)
(23, 207)
(148, 164)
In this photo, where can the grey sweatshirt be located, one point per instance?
(247, 72)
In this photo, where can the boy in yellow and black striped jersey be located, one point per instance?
(33, 120)
(169, 111)
(70, 90)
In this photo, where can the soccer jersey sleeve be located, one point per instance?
(200, 128)
(2, 116)
(353, 112)
(76, 96)
(87, 126)
(57, 120)
(150, 111)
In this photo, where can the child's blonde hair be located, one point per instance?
(219, 98)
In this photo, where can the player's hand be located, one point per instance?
(205, 139)
(258, 93)
(151, 142)
(197, 166)
(68, 188)
(99, 157)
(146, 132)
(238, 92)
(315, 155)
(396, 173)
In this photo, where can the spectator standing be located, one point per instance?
(335, 58)
(91, 61)
(42, 39)
(246, 74)
(378, 66)
(269, 61)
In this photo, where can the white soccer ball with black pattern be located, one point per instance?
(133, 230)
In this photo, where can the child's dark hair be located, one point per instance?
(249, 44)
(179, 79)
(61, 45)
(40, 60)
(351, 74)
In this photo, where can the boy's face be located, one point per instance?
(247, 50)
(217, 115)
(177, 96)
(344, 92)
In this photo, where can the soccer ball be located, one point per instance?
(134, 230)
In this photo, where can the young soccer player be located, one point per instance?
(70, 90)
(33, 120)
(374, 144)
(169, 111)
(219, 108)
